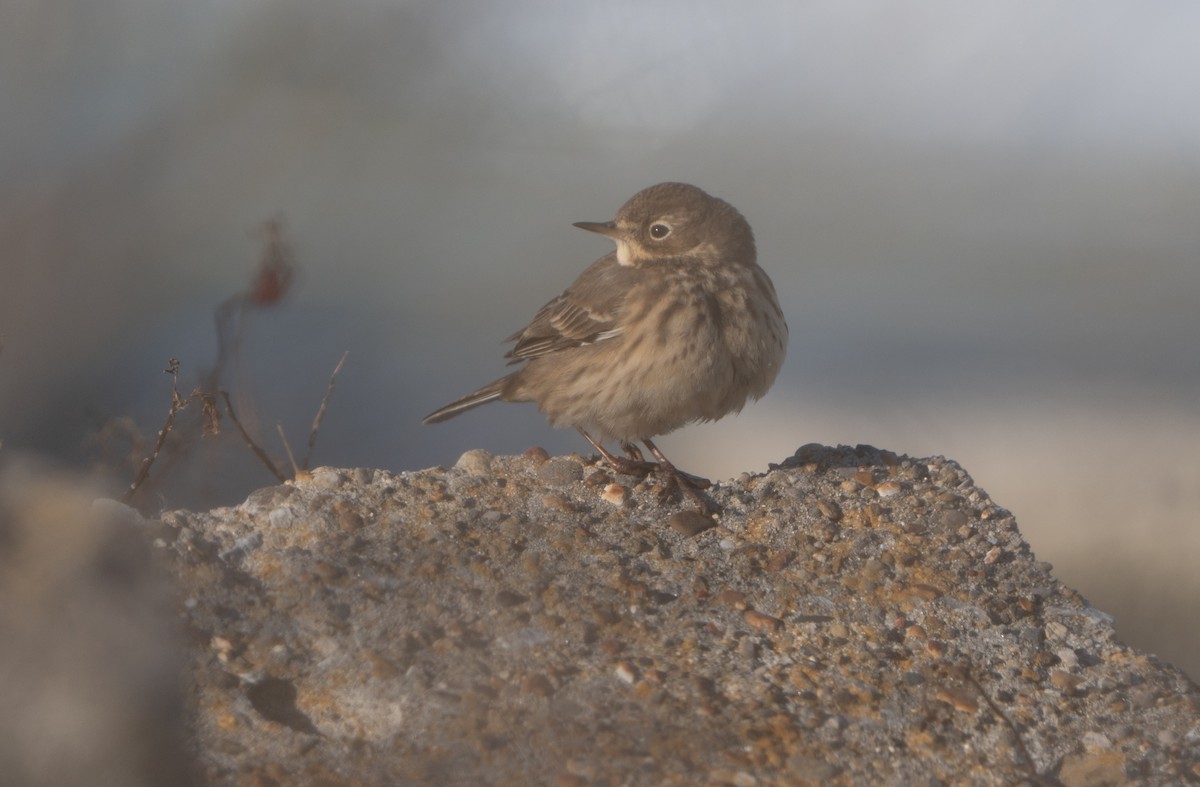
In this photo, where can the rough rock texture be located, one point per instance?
(853, 617)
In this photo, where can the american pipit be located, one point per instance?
(677, 325)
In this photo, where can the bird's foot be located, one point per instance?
(634, 453)
(634, 467)
(677, 483)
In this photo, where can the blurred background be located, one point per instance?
(983, 221)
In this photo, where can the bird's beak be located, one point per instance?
(608, 228)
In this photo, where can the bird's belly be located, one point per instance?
(632, 390)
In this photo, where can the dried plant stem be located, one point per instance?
(288, 448)
(261, 454)
(316, 424)
(177, 404)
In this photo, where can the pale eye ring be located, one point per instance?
(658, 230)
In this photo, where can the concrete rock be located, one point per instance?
(479, 626)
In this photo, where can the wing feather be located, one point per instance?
(586, 313)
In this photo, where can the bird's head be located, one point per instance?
(677, 220)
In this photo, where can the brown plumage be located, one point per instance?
(678, 324)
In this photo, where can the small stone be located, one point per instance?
(1141, 698)
(1065, 681)
(690, 523)
(476, 462)
(327, 572)
(958, 699)
(560, 472)
(830, 510)
(761, 621)
(953, 519)
(508, 598)
(732, 598)
(615, 494)
(1093, 769)
(348, 518)
(381, 667)
(327, 477)
(921, 591)
(889, 488)
(536, 454)
(559, 503)
(780, 560)
(1055, 630)
(626, 672)
(874, 569)
(222, 646)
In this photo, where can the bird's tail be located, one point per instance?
(484, 395)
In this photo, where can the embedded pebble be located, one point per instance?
(536, 454)
(953, 519)
(959, 699)
(476, 462)
(1055, 630)
(560, 472)
(1064, 681)
(732, 598)
(831, 510)
(690, 523)
(889, 488)
(762, 621)
(615, 494)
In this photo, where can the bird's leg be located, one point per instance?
(636, 465)
(633, 452)
(633, 466)
(694, 481)
(689, 484)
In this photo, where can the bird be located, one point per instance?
(678, 324)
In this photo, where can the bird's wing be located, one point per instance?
(585, 313)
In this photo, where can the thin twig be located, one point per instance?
(261, 454)
(177, 404)
(288, 448)
(316, 424)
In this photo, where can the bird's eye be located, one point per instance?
(658, 230)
